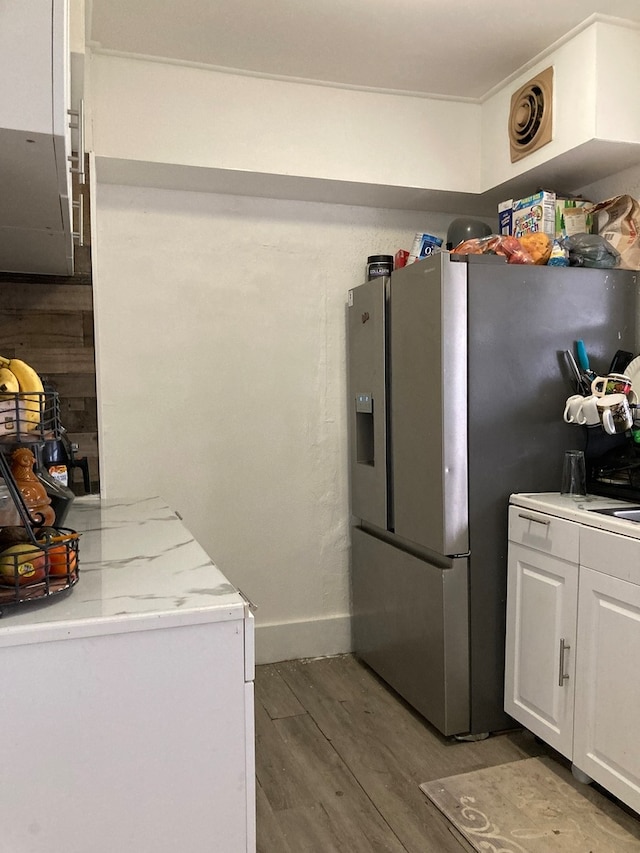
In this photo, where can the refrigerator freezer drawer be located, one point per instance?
(410, 624)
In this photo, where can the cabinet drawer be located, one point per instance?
(546, 533)
(610, 553)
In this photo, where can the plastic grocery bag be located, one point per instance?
(590, 250)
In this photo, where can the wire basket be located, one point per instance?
(29, 417)
(36, 562)
(29, 571)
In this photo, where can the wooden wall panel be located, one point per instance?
(47, 321)
(18, 329)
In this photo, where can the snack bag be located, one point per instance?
(538, 245)
(559, 255)
(496, 244)
(474, 246)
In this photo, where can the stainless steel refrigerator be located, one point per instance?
(457, 381)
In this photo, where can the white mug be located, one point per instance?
(588, 413)
(615, 413)
(572, 410)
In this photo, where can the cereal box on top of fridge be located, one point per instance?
(535, 213)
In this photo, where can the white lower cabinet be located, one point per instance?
(573, 645)
(128, 704)
(605, 742)
(541, 626)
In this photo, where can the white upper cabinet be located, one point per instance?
(35, 203)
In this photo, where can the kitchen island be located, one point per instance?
(128, 701)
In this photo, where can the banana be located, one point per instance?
(29, 384)
(8, 383)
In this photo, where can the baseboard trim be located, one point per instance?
(312, 638)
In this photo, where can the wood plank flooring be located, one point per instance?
(339, 758)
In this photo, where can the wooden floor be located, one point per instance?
(339, 758)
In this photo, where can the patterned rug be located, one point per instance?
(533, 806)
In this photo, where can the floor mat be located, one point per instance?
(533, 806)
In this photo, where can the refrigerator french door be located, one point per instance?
(457, 381)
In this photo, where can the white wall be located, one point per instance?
(221, 341)
(220, 319)
(174, 116)
(626, 182)
(171, 113)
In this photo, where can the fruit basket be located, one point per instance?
(29, 571)
(37, 560)
(29, 416)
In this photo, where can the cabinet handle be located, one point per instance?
(562, 675)
(544, 521)
(79, 159)
(79, 234)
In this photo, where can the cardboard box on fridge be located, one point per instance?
(573, 216)
(535, 213)
(505, 217)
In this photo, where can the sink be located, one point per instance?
(630, 513)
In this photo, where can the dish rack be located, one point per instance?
(41, 565)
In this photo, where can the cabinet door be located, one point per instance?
(607, 719)
(540, 644)
(144, 739)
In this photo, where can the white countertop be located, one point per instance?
(140, 568)
(579, 509)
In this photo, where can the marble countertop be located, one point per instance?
(140, 568)
(580, 509)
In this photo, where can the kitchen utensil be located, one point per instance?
(620, 361)
(583, 359)
(583, 386)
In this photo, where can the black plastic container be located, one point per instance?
(378, 265)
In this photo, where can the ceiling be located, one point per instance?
(451, 48)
